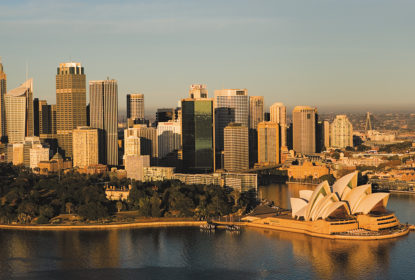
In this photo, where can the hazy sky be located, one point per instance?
(333, 54)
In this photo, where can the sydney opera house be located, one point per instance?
(343, 210)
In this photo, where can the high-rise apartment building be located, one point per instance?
(135, 108)
(268, 143)
(304, 129)
(169, 136)
(3, 90)
(103, 97)
(341, 132)
(198, 91)
(231, 106)
(236, 148)
(148, 140)
(278, 114)
(19, 112)
(85, 146)
(70, 103)
(197, 121)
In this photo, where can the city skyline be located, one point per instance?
(338, 51)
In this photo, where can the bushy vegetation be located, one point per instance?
(29, 198)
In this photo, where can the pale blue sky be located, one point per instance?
(333, 54)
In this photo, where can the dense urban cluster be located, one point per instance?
(225, 141)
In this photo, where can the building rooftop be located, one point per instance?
(22, 89)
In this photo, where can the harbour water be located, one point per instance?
(188, 253)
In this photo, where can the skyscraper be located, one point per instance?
(256, 115)
(268, 143)
(148, 140)
(85, 146)
(326, 129)
(104, 116)
(198, 91)
(341, 132)
(236, 148)
(169, 136)
(304, 129)
(19, 112)
(135, 108)
(70, 103)
(3, 90)
(278, 114)
(231, 106)
(256, 111)
(198, 134)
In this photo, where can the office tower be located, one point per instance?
(70, 103)
(135, 108)
(3, 90)
(231, 106)
(256, 111)
(165, 115)
(198, 91)
(134, 166)
(148, 140)
(198, 134)
(132, 145)
(88, 115)
(236, 148)
(19, 112)
(40, 117)
(104, 116)
(319, 135)
(38, 153)
(326, 129)
(85, 146)
(169, 136)
(268, 143)
(278, 114)
(341, 132)
(36, 116)
(304, 129)
(256, 115)
(267, 117)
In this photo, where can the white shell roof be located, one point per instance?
(348, 181)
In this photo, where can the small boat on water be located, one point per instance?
(233, 228)
(208, 226)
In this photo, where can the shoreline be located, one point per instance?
(331, 236)
(182, 223)
(197, 224)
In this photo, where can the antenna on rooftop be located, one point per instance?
(27, 70)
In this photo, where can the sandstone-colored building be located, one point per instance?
(308, 169)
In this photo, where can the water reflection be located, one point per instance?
(281, 193)
(334, 259)
(186, 253)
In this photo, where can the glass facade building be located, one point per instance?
(197, 135)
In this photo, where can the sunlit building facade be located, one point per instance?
(19, 112)
(70, 103)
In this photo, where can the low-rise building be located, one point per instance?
(158, 173)
(307, 169)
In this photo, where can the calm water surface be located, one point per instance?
(188, 253)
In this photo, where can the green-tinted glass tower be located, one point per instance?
(198, 135)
